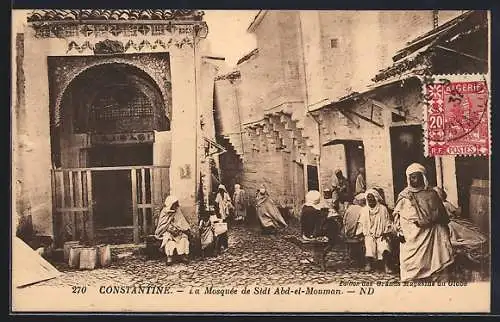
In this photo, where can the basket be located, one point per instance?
(88, 258)
(74, 256)
(220, 228)
(67, 247)
(103, 255)
(214, 219)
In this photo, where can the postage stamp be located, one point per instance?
(457, 115)
(176, 161)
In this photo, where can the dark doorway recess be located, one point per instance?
(312, 177)
(407, 148)
(113, 189)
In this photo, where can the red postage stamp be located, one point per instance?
(456, 115)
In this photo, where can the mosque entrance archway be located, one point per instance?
(109, 115)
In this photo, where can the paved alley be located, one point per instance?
(251, 258)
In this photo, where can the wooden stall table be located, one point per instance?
(318, 247)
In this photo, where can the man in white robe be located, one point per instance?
(375, 225)
(422, 222)
(173, 230)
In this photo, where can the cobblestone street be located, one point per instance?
(252, 258)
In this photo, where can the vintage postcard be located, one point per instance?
(250, 161)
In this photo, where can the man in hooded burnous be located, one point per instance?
(360, 186)
(376, 226)
(173, 230)
(422, 223)
(240, 203)
(340, 188)
(224, 208)
(223, 202)
(267, 212)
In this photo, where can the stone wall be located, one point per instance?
(345, 49)
(274, 75)
(376, 139)
(304, 57)
(33, 115)
(265, 168)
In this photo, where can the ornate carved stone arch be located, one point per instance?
(56, 118)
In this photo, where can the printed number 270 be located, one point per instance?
(79, 289)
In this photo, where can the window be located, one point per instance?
(334, 42)
(121, 105)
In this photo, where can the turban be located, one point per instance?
(374, 193)
(169, 201)
(359, 198)
(414, 168)
(313, 199)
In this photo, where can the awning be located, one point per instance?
(363, 91)
(28, 267)
(342, 141)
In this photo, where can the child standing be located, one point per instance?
(240, 203)
(207, 234)
(376, 226)
(224, 208)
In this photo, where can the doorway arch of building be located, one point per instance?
(138, 68)
(102, 151)
(105, 77)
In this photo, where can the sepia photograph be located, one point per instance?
(179, 160)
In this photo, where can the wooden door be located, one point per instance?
(72, 205)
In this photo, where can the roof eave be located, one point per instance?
(368, 89)
(431, 35)
(257, 20)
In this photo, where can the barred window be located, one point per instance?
(121, 103)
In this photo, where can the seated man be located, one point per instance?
(311, 217)
(332, 224)
(207, 234)
(349, 228)
(173, 230)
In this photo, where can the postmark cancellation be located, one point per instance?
(457, 115)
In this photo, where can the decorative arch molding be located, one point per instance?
(98, 103)
(160, 76)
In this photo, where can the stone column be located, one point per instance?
(184, 127)
(450, 179)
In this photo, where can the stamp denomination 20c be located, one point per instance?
(456, 115)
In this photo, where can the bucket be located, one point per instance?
(66, 248)
(104, 255)
(88, 258)
(479, 204)
(74, 256)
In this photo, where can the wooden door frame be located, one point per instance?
(85, 204)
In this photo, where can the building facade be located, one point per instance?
(318, 95)
(106, 119)
(115, 109)
(386, 119)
